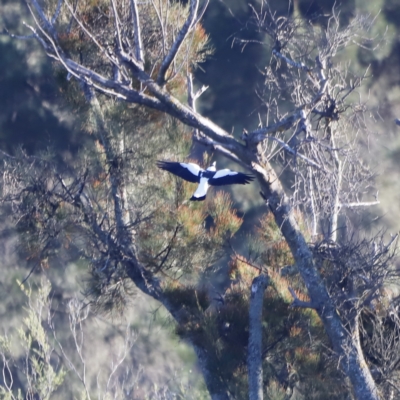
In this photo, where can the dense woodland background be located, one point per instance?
(36, 116)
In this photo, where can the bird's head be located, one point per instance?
(212, 167)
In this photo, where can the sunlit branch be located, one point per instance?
(117, 89)
(193, 96)
(160, 20)
(92, 78)
(357, 83)
(187, 26)
(57, 53)
(336, 199)
(117, 28)
(321, 65)
(86, 31)
(128, 344)
(57, 12)
(137, 32)
(19, 37)
(200, 13)
(291, 62)
(360, 204)
(40, 40)
(300, 303)
(42, 16)
(163, 101)
(313, 206)
(284, 124)
(220, 148)
(7, 375)
(294, 152)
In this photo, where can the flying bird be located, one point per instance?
(193, 173)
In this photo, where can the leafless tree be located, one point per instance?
(314, 126)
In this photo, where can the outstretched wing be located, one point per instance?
(228, 177)
(189, 172)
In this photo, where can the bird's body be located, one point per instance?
(205, 178)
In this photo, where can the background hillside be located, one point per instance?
(34, 114)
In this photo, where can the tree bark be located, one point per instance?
(344, 343)
(216, 388)
(254, 360)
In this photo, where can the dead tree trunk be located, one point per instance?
(344, 343)
(254, 356)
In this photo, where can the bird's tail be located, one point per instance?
(197, 198)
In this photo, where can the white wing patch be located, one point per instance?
(193, 168)
(224, 172)
(201, 190)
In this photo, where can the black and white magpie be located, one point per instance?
(193, 173)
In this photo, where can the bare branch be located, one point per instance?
(294, 152)
(47, 24)
(57, 12)
(117, 28)
(314, 214)
(86, 31)
(299, 303)
(201, 12)
(187, 26)
(338, 189)
(284, 124)
(192, 97)
(360, 204)
(40, 39)
(137, 31)
(19, 37)
(291, 62)
(254, 357)
(220, 148)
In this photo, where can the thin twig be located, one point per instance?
(187, 26)
(57, 12)
(300, 303)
